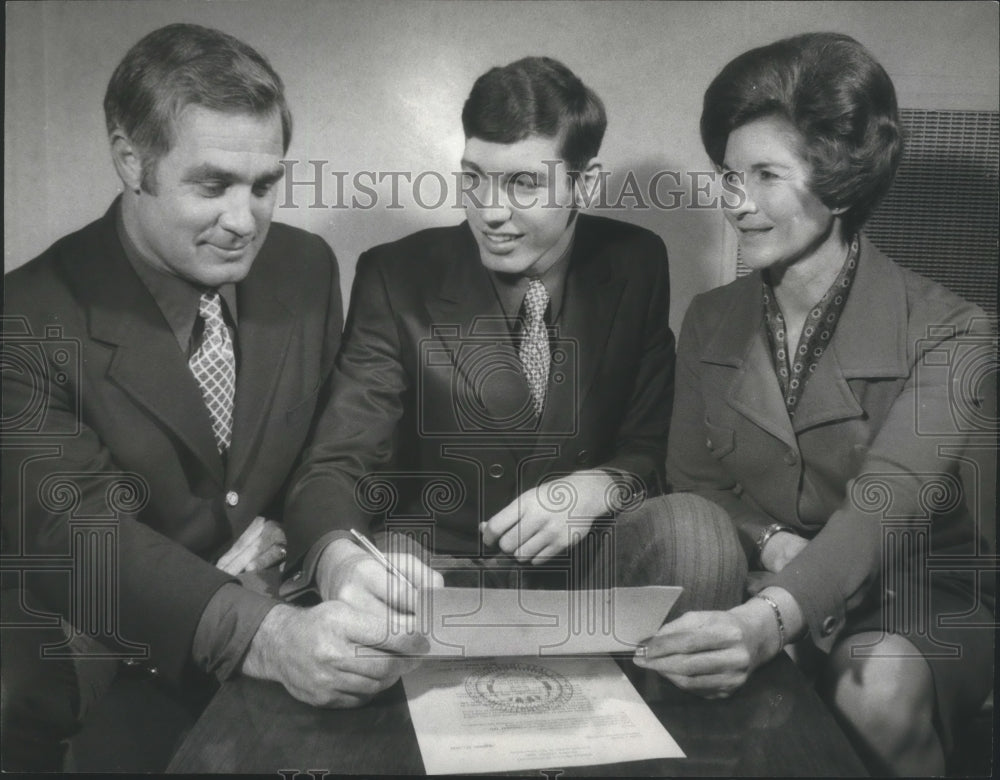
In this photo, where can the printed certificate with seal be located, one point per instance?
(503, 714)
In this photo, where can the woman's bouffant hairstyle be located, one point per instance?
(536, 96)
(839, 99)
(180, 65)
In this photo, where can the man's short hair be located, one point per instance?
(536, 96)
(181, 65)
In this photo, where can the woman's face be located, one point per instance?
(780, 222)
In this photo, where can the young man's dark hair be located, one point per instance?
(536, 96)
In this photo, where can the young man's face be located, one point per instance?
(518, 199)
(214, 196)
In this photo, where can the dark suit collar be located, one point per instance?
(591, 299)
(511, 288)
(467, 299)
(149, 366)
(147, 363)
(177, 298)
(466, 282)
(267, 321)
(869, 342)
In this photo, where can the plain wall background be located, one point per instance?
(378, 86)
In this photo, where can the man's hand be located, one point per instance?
(263, 544)
(780, 549)
(536, 525)
(348, 573)
(331, 655)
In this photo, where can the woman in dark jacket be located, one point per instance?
(819, 402)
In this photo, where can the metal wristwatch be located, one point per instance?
(764, 537)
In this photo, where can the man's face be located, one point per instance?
(518, 201)
(215, 192)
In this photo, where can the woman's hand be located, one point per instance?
(713, 653)
(780, 549)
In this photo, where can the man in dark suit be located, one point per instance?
(504, 386)
(162, 367)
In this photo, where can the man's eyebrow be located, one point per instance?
(271, 176)
(504, 175)
(209, 172)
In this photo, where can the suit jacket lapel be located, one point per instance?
(467, 317)
(590, 301)
(265, 329)
(869, 342)
(755, 392)
(147, 364)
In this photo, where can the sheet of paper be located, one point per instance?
(494, 715)
(478, 622)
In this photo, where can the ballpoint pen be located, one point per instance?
(377, 553)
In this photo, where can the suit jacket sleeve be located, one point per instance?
(640, 446)
(355, 431)
(905, 475)
(902, 475)
(63, 472)
(162, 587)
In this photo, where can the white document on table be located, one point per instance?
(503, 714)
(481, 622)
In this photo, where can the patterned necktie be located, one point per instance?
(214, 368)
(534, 353)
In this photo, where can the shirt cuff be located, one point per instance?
(226, 628)
(303, 580)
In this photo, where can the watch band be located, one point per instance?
(765, 535)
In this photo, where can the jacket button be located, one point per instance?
(232, 498)
(583, 457)
(829, 623)
(495, 470)
(791, 458)
(154, 672)
(708, 443)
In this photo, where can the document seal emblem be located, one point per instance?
(518, 688)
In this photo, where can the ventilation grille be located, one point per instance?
(940, 218)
